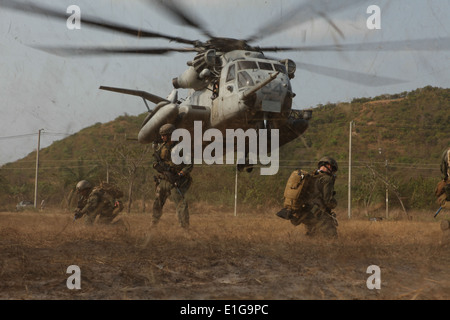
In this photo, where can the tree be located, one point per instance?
(70, 176)
(129, 165)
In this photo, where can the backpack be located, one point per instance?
(111, 195)
(111, 189)
(296, 186)
(442, 192)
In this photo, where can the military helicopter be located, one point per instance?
(232, 84)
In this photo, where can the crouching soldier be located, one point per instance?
(309, 199)
(102, 201)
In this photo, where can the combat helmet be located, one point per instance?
(330, 161)
(83, 185)
(166, 129)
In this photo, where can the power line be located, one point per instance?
(34, 134)
(57, 133)
(18, 136)
(388, 126)
(412, 167)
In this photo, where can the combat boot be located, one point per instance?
(285, 214)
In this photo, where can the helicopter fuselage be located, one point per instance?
(238, 89)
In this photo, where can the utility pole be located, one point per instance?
(235, 190)
(350, 172)
(386, 180)
(387, 191)
(37, 168)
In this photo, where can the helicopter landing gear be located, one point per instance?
(245, 167)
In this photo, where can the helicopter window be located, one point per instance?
(231, 73)
(242, 65)
(281, 68)
(244, 80)
(265, 66)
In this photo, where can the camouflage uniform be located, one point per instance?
(445, 164)
(443, 195)
(169, 182)
(98, 203)
(317, 213)
(443, 188)
(313, 202)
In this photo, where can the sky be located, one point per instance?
(59, 95)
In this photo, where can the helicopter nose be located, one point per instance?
(268, 94)
(259, 85)
(271, 97)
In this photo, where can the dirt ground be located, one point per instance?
(250, 256)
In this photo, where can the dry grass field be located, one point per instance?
(251, 256)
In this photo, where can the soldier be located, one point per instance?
(215, 90)
(443, 188)
(173, 180)
(317, 201)
(102, 201)
(443, 195)
(445, 164)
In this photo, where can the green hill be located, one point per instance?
(397, 141)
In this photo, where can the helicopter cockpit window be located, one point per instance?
(265, 66)
(244, 79)
(281, 68)
(243, 65)
(231, 75)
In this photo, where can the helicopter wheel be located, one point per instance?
(245, 167)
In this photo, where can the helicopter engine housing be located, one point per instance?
(150, 130)
(189, 79)
(190, 113)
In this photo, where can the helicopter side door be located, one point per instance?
(226, 106)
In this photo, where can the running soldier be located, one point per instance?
(443, 188)
(443, 195)
(173, 180)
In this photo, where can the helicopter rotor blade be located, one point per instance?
(349, 76)
(98, 23)
(433, 44)
(303, 13)
(180, 14)
(96, 51)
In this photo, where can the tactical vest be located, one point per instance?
(164, 150)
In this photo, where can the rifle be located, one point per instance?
(437, 212)
(77, 214)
